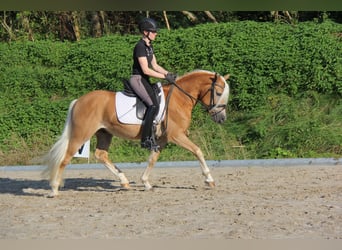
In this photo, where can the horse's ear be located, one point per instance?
(226, 77)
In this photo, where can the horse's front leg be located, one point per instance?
(183, 141)
(151, 162)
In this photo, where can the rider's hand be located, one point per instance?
(170, 77)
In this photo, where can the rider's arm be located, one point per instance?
(157, 67)
(156, 71)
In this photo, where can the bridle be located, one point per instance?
(212, 107)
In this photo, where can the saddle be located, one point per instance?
(140, 105)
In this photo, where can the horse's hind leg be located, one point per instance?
(101, 153)
(56, 179)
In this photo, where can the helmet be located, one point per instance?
(148, 24)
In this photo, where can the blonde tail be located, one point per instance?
(57, 153)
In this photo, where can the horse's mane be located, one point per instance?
(195, 71)
(189, 73)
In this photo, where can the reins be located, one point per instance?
(166, 108)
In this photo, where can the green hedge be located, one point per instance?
(285, 84)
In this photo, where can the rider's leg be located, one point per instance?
(144, 90)
(147, 136)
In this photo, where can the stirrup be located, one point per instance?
(150, 144)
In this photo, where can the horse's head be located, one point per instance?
(215, 99)
(208, 88)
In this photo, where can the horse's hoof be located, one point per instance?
(149, 189)
(210, 184)
(125, 186)
(51, 195)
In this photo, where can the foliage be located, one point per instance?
(73, 25)
(285, 85)
(293, 127)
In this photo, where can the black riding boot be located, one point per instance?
(147, 136)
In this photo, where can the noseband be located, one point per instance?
(211, 108)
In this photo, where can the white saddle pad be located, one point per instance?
(126, 108)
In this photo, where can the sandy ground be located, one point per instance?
(301, 202)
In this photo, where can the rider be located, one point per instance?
(145, 66)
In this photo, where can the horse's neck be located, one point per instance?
(193, 87)
(182, 89)
(180, 101)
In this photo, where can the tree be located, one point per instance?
(72, 25)
(166, 20)
(286, 16)
(69, 26)
(190, 16)
(97, 30)
(211, 17)
(75, 25)
(7, 26)
(25, 21)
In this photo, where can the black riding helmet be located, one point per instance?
(148, 24)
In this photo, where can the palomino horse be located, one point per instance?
(95, 113)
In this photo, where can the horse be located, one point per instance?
(94, 113)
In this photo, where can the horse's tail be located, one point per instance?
(54, 158)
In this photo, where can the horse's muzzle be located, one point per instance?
(219, 117)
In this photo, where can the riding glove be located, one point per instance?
(170, 77)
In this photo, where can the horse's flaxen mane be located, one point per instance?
(189, 73)
(196, 71)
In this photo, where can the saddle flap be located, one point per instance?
(131, 110)
(141, 109)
